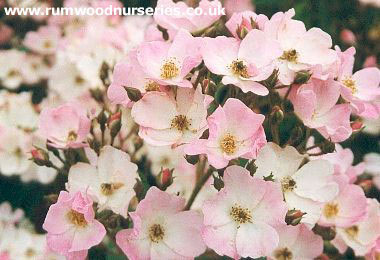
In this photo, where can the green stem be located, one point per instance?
(197, 188)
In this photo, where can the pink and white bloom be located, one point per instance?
(166, 119)
(315, 104)
(347, 208)
(110, 183)
(362, 236)
(241, 220)
(297, 242)
(242, 63)
(182, 18)
(304, 188)
(245, 21)
(66, 126)
(234, 131)
(71, 225)
(162, 230)
(44, 41)
(362, 88)
(301, 49)
(169, 63)
(11, 62)
(129, 73)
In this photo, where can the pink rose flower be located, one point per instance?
(297, 242)
(71, 226)
(169, 63)
(66, 126)
(240, 220)
(347, 208)
(348, 37)
(44, 41)
(315, 104)
(162, 230)
(242, 63)
(166, 120)
(361, 236)
(234, 131)
(301, 49)
(361, 88)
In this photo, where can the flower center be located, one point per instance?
(79, 80)
(228, 144)
(30, 252)
(283, 254)
(180, 122)
(287, 184)
(239, 69)
(108, 189)
(330, 210)
(156, 233)
(350, 83)
(240, 215)
(169, 70)
(72, 136)
(152, 86)
(13, 73)
(47, 44)
(352, 231)
(77, 218)
(290, 56)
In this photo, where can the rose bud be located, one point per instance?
(166, 178)
(40, 157)
(348, 37)
(114, 123)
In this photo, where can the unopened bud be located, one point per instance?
(192, 159)
(166, 178)
(366, 185)
(327, 233)
(139, 190)
(114, 123)
(133, 94)
(302, 77)
(293, 217)
(51, 198)
(277, 115)
(242, 31)
(356, 125)
(251, 167)
(40, 157)
(205, 84)
(328, 147)
(218, 183)
(323, 257)
(102, 120)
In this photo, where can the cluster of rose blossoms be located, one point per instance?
(181, 151)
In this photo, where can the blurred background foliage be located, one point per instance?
(331, 16)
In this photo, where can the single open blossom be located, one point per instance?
(169, 63)
(11, 62)
(347, 208)
(44, 41)
(297, 242)
(362, 88)
(243, 22)
(301, 49)
(66, 126)
(315, 104)
(304, 188)
(166, 119)
(241, 220)
(234, 131)
(183, 19)
(14, 148)
(362, 236)
(110, 183)
(161, 230)
(71, 226)
(242, 63)
(129, 73)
